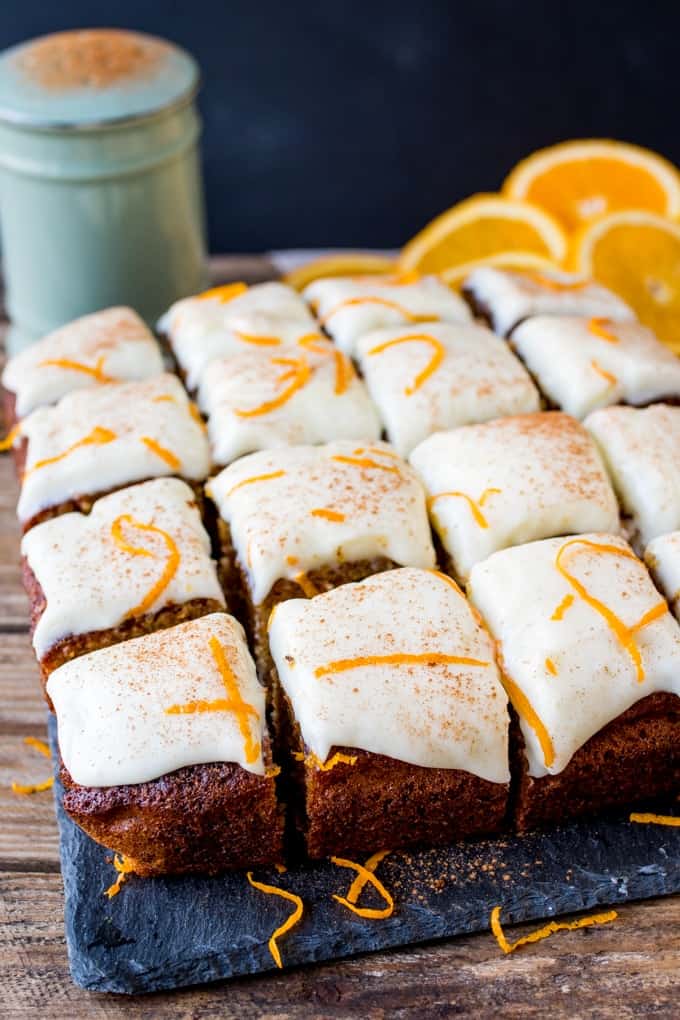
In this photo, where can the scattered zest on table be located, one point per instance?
(650, 819)
(546, 930)
(26, 789)
(290, 922)
(124, 867)
(365, 875)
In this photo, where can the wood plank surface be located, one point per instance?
(628, 969)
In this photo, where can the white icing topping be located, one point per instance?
(200, 329)
(508, 297)
(640, 449)
(475, 378)
(113, 345)
(91, 581)
(112, 705)
(579, 370)
(303, 507)
(512, 481)
(450, 715)
(99, 437)
(662, 556)
(565, 658)
(327, 401)
(350, 306)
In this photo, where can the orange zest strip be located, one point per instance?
(380, 451)
(649, 819)
(25, 789)
(255, 478)
(373, 300)
(163, 398)
(10, 439)
(567, 601)
(171, 564)
(365, 875)
(560, 286)
(124, 867)
(97, 437)
(597, 367)
(95, 371)
(600, 327)
(290, 922)
(299, 373)
(438, 355)
(260, 341)
(328, 515)
(548, 929)
(474, 505)
(448, 580)
(39, 745)
(308, 587)
(281, 868)
(161, 451)
(232, 703)
(325, 766)
(197, 416)
(623, 634)
(397, 659)
(344, 370)
(227, 292)
(551, 667)
(526, 711)
(366, 462)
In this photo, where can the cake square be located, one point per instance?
(640, 450)
(511, 481)
(139, 561)
(441, 376)
(349, 306)
(165, 753)
(582, 364)
(100, 439)
(230, 320)
(506, 297)
(590, 656)
(113, 345)
(398, 719)
(662, 557)
(303, 519)
(297, 395)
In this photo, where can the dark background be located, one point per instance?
(351, 123)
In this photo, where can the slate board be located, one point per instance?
(167, 933)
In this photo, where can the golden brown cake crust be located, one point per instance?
(635, 758)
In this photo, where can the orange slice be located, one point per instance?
(579, 181)
(351, 263)
(637, 255)
(481, 226)
(520, 260)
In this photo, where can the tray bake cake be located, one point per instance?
(397, 719)
(440, 376)
(165, 753)
(139, 561)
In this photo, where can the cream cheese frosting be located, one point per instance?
(581, 364)
(396, 665)
(662, 557)
(187, 695)
(582, 636)
(295, 395)
(508, 297)
(439, 376)
(138, 550)
(299, 508)
(109, 346)
(640, 449)
(98, 439)
(511, 481)
(228, 320)
(349, 306)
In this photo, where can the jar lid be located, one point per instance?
(92, 78)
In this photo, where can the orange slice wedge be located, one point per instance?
(520, 260)
(481, 226)
(637, 255)
(579, 181)
(352, 263)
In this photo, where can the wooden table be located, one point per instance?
(630, 968)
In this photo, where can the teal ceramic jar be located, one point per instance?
(100, 189)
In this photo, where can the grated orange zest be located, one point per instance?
(254, 479)
(646, 818)
(172, 562)
(161, 451)
(365, 876)
(397, 659)
(439, 353)
(97, 437)
(290, 922)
